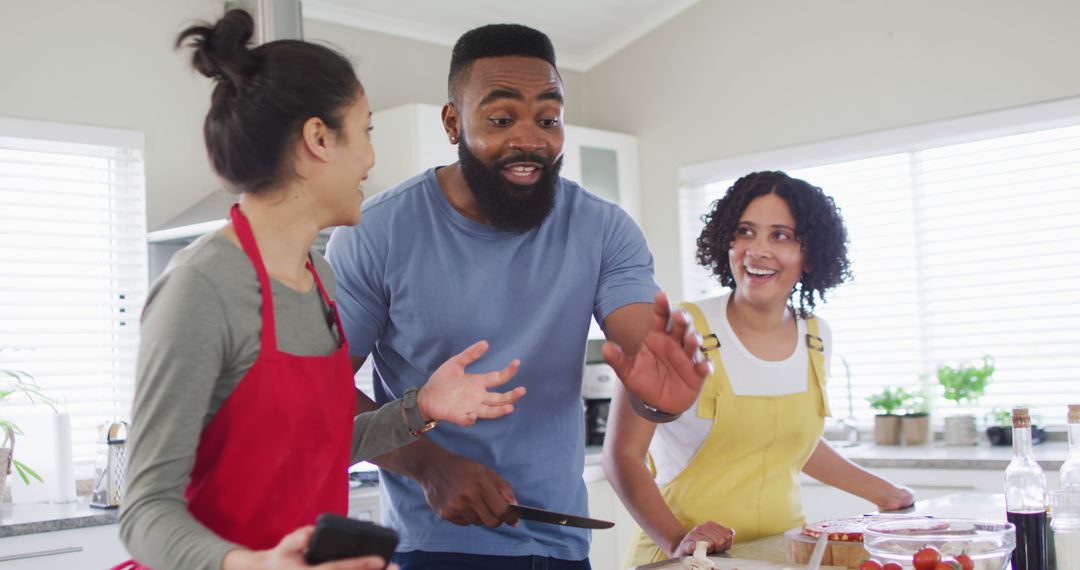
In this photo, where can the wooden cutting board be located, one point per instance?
(723, 563)
(843, 554)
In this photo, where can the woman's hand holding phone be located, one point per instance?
(289, 555)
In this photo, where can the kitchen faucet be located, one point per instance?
(847, 424)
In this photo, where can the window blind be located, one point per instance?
(958, 251)
(74, 278)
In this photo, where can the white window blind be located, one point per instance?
(958, 251)
(73, 253)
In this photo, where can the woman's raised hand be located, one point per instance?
(456, 396)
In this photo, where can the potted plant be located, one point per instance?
(999, 427)
(964, 384)
(915, 423)
(887, 422)
(12, 383)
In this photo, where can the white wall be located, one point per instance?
(721, 79)
(739, 76)
(111, 63)
(396, 71)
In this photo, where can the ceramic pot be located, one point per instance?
(1002, 436)
(960, 430)
(887, 430)
(915, 429)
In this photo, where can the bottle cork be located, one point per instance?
(1020, 418)
(1074, 413)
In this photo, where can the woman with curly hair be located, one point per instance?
(730, 471)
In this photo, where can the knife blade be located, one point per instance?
(562, 519)
(819, 552)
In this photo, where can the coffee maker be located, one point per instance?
(597, 385)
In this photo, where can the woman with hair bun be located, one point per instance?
(244, 419)
(730, 472)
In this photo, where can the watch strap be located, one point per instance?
(410, 408)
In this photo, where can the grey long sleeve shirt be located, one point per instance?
(199, 336)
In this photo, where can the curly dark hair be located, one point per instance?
(819, 228)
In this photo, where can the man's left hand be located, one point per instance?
(668, 370)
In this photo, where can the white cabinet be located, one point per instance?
(609, 546)
(91, 548)
(410, 139)
(364, 504)
(606, 164)
(821, 501)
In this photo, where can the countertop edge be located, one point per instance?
(593, 472)
(57, 524)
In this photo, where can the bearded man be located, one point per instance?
(499, 247)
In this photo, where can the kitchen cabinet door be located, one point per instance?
(603, 504)
(609, 546)
(364, 504)
(606, 164)
(821, 501)
(410, 139)
(91, 548)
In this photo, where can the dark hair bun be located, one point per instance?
(221, 51)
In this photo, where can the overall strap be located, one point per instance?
(326, 298)
(711, 347)
(815, 348)
(247, 241)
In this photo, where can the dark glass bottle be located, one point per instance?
(1025, 498)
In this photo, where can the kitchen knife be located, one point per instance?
(552, 517)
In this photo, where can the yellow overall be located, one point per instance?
(746, 474)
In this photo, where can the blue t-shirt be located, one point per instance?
(417, 283)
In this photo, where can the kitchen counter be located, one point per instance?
(1050, 456)
(35, 518)
(17, 520)
(985, 506)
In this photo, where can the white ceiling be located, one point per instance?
(585, 32)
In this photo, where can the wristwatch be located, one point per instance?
(650, 412)
(411, 411)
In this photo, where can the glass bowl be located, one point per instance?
(988, 543)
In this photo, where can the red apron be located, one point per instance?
(276, 454)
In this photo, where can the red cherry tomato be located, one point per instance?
(892, 566)
(965, 562)
(926, 559)
(949, 564)
(870, 565)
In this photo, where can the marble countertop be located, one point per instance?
(33, 518)
(1050, 456)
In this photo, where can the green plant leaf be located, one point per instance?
(23, 470)
(12, 425)
(966, 383)
(889, 400)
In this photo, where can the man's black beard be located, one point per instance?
(507, 205)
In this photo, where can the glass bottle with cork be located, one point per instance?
(1025, 498)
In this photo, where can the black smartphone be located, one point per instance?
(337, 537)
